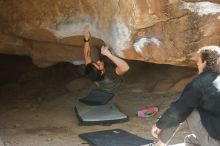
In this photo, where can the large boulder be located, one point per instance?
(162, 31)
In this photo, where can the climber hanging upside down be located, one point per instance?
(106, 72)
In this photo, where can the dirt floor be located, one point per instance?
(36, 105)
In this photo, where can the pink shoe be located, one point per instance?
(147, 112)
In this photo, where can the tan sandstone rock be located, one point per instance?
(162, 31)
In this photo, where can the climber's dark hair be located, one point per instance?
(92, 72)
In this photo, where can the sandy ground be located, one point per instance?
(36, 105)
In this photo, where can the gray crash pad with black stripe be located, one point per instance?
(99, 115)
(114, 137)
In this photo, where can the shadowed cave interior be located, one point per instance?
(37, 103)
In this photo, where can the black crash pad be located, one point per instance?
(97, 97)
(114, 137)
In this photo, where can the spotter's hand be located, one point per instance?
(155, 131)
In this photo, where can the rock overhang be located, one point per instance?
(163, 31)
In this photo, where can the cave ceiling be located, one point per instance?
(158, 31)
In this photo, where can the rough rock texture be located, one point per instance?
(1, 143)
(162, 31)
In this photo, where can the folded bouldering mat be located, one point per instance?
(97, 97)
(99, 115)
(114, 137)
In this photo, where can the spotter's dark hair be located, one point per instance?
(212, 59)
